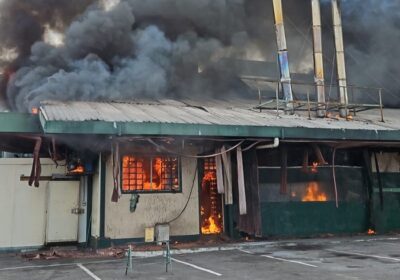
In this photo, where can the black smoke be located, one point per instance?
(155, 48)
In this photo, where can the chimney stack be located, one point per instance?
(318, 57)
(283, 54)
(340, 58)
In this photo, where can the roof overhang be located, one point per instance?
(205, 130)
(11, 122)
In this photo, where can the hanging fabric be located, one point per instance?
(241, 188)
(36, 166)
(220, 173)
(251, 222)
(116, 172)
(226, 159)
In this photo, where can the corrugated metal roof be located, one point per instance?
(236, 112)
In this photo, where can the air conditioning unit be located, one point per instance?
(162, 232)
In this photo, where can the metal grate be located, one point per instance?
(148, 174)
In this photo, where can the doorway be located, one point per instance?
(62, 221)
(211, 216)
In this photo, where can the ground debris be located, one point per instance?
(61, 253)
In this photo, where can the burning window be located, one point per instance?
(147, 174)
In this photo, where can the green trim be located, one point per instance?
(89, 208)
(388, 190)
(99, 243)
(7, 250)
(102, 194)
(131, 128)
(178, 238)
(19, 123)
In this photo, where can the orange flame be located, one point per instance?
(78, 170)
(313, 193)
(211, 227)
(371, 232)
(35, 110)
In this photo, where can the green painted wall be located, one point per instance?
(387, 218)
(307, 219)
(287, 215)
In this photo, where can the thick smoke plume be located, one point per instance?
(127, 49)
(372, 37)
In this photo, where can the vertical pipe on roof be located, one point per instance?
(318, 57)
(283, 54)
(341, 65)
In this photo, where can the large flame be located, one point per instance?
(313, 193)
(211, 220)
(210, 227)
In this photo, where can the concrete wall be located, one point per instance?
(154, 208)
(23, 208)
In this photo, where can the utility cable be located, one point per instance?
(161, 147)
(190, 195)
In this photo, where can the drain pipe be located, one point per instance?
(269, 146)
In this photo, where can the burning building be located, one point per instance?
(155, 125)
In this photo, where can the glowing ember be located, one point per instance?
(313, 193)
(371, 232)
(210, 175)
(314, 168)
(35, 110)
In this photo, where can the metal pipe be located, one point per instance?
(308, 104)
(277, 99)
(341, 64)
(270, 146)
(381, 105)
(283, 54)
(318, 57)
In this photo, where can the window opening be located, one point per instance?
(147, 174)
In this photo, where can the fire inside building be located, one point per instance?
(286, 160)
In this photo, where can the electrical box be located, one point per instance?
(162, 232)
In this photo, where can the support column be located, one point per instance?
(83, 217)
(283, 54)
(340, 58)
(318, 57)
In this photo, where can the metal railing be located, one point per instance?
(305, 94)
